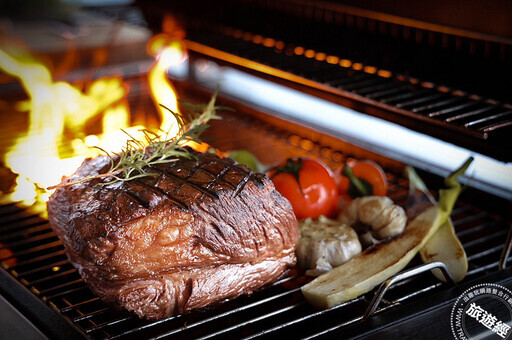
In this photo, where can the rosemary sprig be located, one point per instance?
(138, 156)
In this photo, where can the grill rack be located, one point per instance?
(446, 82)
(467, 114)
(31, 253)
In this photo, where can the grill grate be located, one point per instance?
(31, 253)
(453, 85)
(460, 111)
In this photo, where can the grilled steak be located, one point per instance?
(198, 232)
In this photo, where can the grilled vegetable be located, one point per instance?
(444, 245)
(361, 178)
(374, 218)
(248, 159)
(308, 185)
(373, 266)
(324, 244)
(376, 264)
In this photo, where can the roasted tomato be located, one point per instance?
(309, 186)
(361, 178)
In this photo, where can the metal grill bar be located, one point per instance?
(142, 328)
(453, 109)
(19, 219)
(43, 268)
(497, 126)
(67, 309)
(274, 311)
(237, 310)
(297, 322)
(310, 318)
(416, 293)
(470, 114)
(436, 105)
(506, 250)
(90, 315)
(464, 216)
(10, 209)
(422, 100)
(36, 249)
(262, 317)
(402, 276)
(30, 240)
(485, 239)
(341, 75)
(477, 229)
(53, 277)
(359, 77)
(38, 227)
(32, 261)
(470, 218)
(354, 86)
(64, 285)
(488, 118)
(490, 251)
(376, 89)
(487, 267)
(106, 324)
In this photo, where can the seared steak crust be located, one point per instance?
(197, 232)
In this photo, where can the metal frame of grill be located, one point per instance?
(42, 274)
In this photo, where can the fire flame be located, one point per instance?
(168, 53)
(58, 110)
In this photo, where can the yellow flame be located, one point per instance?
(167, 53)
(58, 110)
(53, 107)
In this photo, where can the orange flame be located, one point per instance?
(167, 54)
(58, 110)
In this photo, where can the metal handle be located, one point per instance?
(506, 250)
(402, 276)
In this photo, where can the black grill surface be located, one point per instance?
(33, 256)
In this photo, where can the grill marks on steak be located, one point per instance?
(186, 181)
(158, 245)
(182, 183)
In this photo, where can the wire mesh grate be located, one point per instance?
(40, 264)
(31, 253)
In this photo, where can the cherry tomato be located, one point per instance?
(369, 173)
(309, 186)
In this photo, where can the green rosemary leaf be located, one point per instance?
(138, 156)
